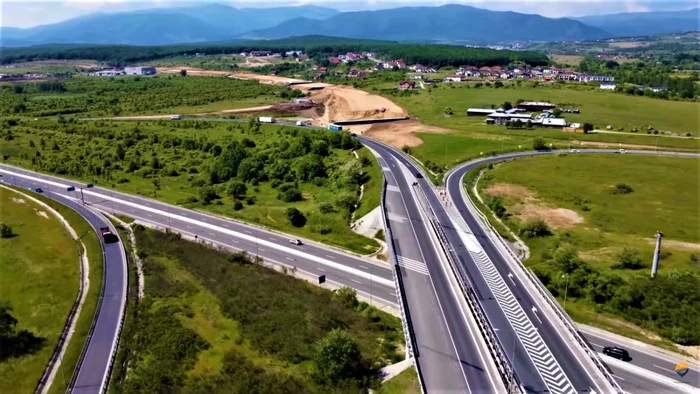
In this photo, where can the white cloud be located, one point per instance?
(27, 13)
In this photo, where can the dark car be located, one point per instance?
(38, 190)
(419, 175)
(616, 352)
(108, 236)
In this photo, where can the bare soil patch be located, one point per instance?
(273, 79)
(509, 190)
(554, 217)
(192, 71)
(614, 145)
(42, 214)
(399, 133)
(18, 200)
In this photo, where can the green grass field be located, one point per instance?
(599, 224)
(39, 276)
(404, 383)
(203, 307)
(473, 136)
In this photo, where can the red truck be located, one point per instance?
(108, 236)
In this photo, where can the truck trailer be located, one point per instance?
(266, 119)
(335, 127)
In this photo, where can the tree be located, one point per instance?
(310, 167)
(120, 152)
(183, 73)
(448, 111)
(567, 257)
(295, 217)
(534, 229)
(5, 231)
(346, 296)
(236, 189)
(539, 144)
(587, 128)
(237, 205)
(320, 147)
(507, 106)
(336, 357)
(207, 194)
(556, 112)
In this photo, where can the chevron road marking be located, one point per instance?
(413, 265)
(543, 359)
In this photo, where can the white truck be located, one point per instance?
(175, 117)
(266, 119)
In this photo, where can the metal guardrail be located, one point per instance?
(410, 335)
(494, 346)
(542, 289)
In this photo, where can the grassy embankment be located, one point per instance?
(473, 136)
(194, 163)
(215, 321)
(594, 220)
(404, 383)
(56, 285)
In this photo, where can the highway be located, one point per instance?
(341, 268)
(95, 363)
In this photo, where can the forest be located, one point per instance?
(214, 321)
(295, 180)
(315, 46)
(100, 96)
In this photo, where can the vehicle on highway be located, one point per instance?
(108, 236)
(175, 117)
(38, 190)
(295, 241)
(622, 151)
(419, 175)
(616, 352)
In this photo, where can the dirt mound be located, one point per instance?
(192, 71)
(291, 107)
(266, 78)
(348, 103)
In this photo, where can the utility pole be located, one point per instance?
(657, 252)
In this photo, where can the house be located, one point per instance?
(319, 75)
(323, 69)
(567, 76)
(504, 75)
(553, 122)
(140, 70)
(245, 54)
(369, 55)
(608, 86)
(419, 68)
(414, 77)
(484, 69)
(454, 78)
(431, 71)
(405, 85)
(260, 53)
(334, 60)
(595, 78)
(314, 67)
(356, 74)
(492, 75)
(535, 106)
(399, 63)
(379, 67)
(658, 89)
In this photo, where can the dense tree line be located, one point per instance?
(644, 74)
(315, 46)
(125, 95)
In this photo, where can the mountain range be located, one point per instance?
(445, 24)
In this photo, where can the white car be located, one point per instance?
(295, 242)
(623, 151)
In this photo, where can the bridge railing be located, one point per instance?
(542, 289)
(494, 346)
(411, 349)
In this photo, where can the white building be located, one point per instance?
(139, 70)
(608, 86)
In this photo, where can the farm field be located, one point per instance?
(216, 321)
(599, 108)
(263, 174)
(603, 213)
(39, 277)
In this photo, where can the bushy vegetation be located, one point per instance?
(215, 321)
(211, 165)
(127, 95)
(601, 263)
(315, 46)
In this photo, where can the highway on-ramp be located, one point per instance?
(95, 363)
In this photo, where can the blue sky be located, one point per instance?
(27, 13)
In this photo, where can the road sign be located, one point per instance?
(681, 369)
(321, 279)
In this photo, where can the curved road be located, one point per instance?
(94, 366)
(341, 268)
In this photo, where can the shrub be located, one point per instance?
(337, 357)
(290, 195)
(327, 208)
(628, 259)
(534, 229)
(406, 149)
(587, 127)
(295, 217)
(496, 205)
(250, 200)
(622, 188)
(5, 231)
(346, 296)
(539, 144)
(207, 194)
(237, 205)
(236, 189)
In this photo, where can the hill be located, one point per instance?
(645, 23)
(161, 26)
(449, 23)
